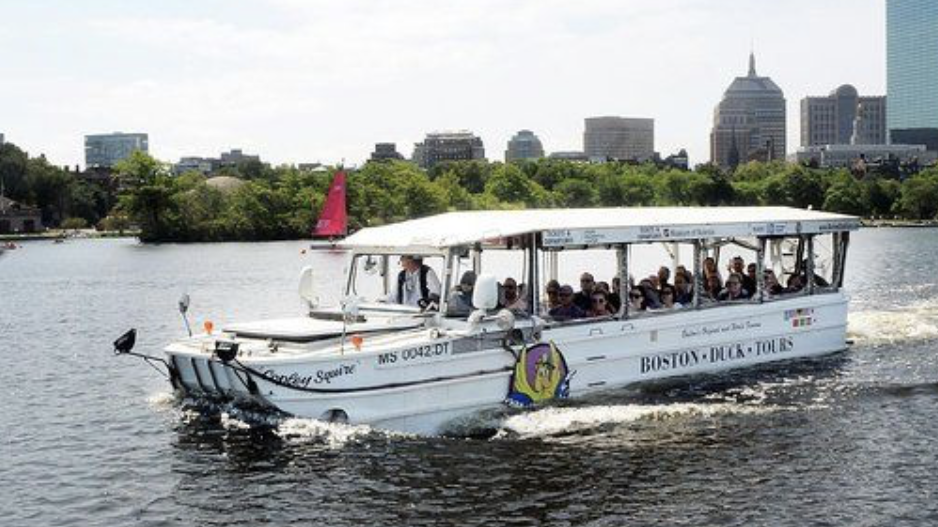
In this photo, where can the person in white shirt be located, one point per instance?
(417, 284)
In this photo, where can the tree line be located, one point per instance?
(283, 202)
(63, 198)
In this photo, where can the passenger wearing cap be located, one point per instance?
(417, 284)
(460, 298)
(567, 309)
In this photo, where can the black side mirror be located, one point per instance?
(125, 343)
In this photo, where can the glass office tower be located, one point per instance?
(912, 71)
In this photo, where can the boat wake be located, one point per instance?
(914, 322)
(561, 421)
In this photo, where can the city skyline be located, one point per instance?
(323, 81)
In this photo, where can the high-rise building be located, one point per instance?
(749, 123)
(385, 152)
(843, 118)
(619, 139)
(438, 147)
(2, 139)
(105, 150)
(524, 145)
(912, 71)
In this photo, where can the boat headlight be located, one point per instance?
(226, 350)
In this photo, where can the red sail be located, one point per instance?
(333, 221)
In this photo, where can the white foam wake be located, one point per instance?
(553, 421)
(917, 321)
(334, 435)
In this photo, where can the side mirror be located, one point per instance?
(307, 290)
(485, 294)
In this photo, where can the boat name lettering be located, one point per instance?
(687, 359)
(716, 329)
(415, 354)
(324, 376)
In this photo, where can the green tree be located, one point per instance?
(846, 195)
(919, 196)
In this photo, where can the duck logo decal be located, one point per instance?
(541, 374)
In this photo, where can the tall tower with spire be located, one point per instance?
(750, 122)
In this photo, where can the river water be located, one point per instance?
(88, 439)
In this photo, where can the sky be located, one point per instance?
(323, 80)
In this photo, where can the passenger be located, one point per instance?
(652, 301)
(795, 284)
(734, 289)
(750, 281)
(713, 287)
(460, 299)
(567, 310)
(417, 284)
(772, 287)
(667, 298)
(687, 274)
(600, 307)
(552, 294)
(683, 291)
(664, 274)
(737, 265)
(612, 296)
(513, 301)
(583, 299)
(710, 269)
(654, 281)
(637, 300)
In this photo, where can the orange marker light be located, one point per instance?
(357, 341)
(209, 326)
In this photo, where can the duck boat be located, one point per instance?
(371, 361)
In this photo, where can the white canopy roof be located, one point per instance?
(588, 227)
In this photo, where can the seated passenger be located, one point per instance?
(637, 300)
(460, 298)
(667, 299)
(734, 289)
(512, 299)
(664, 274)
(615, 299)
(772, 287)
(683, 291)
(713, 287)
(710, 269)
(600, 307)
(583, 299)
(567, 310)
(750, 282)
(552, 296)
(652, 301)
(795, 284)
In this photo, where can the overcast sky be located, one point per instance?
(323, 80)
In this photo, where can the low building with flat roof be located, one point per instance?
(846, 156)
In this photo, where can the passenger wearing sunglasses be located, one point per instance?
(567, 310)
(600, 306)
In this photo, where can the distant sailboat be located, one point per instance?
(333, 220)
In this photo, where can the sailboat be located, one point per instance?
(333, 220)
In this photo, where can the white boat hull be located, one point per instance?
(422, 384)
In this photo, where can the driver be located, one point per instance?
(417, 283)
